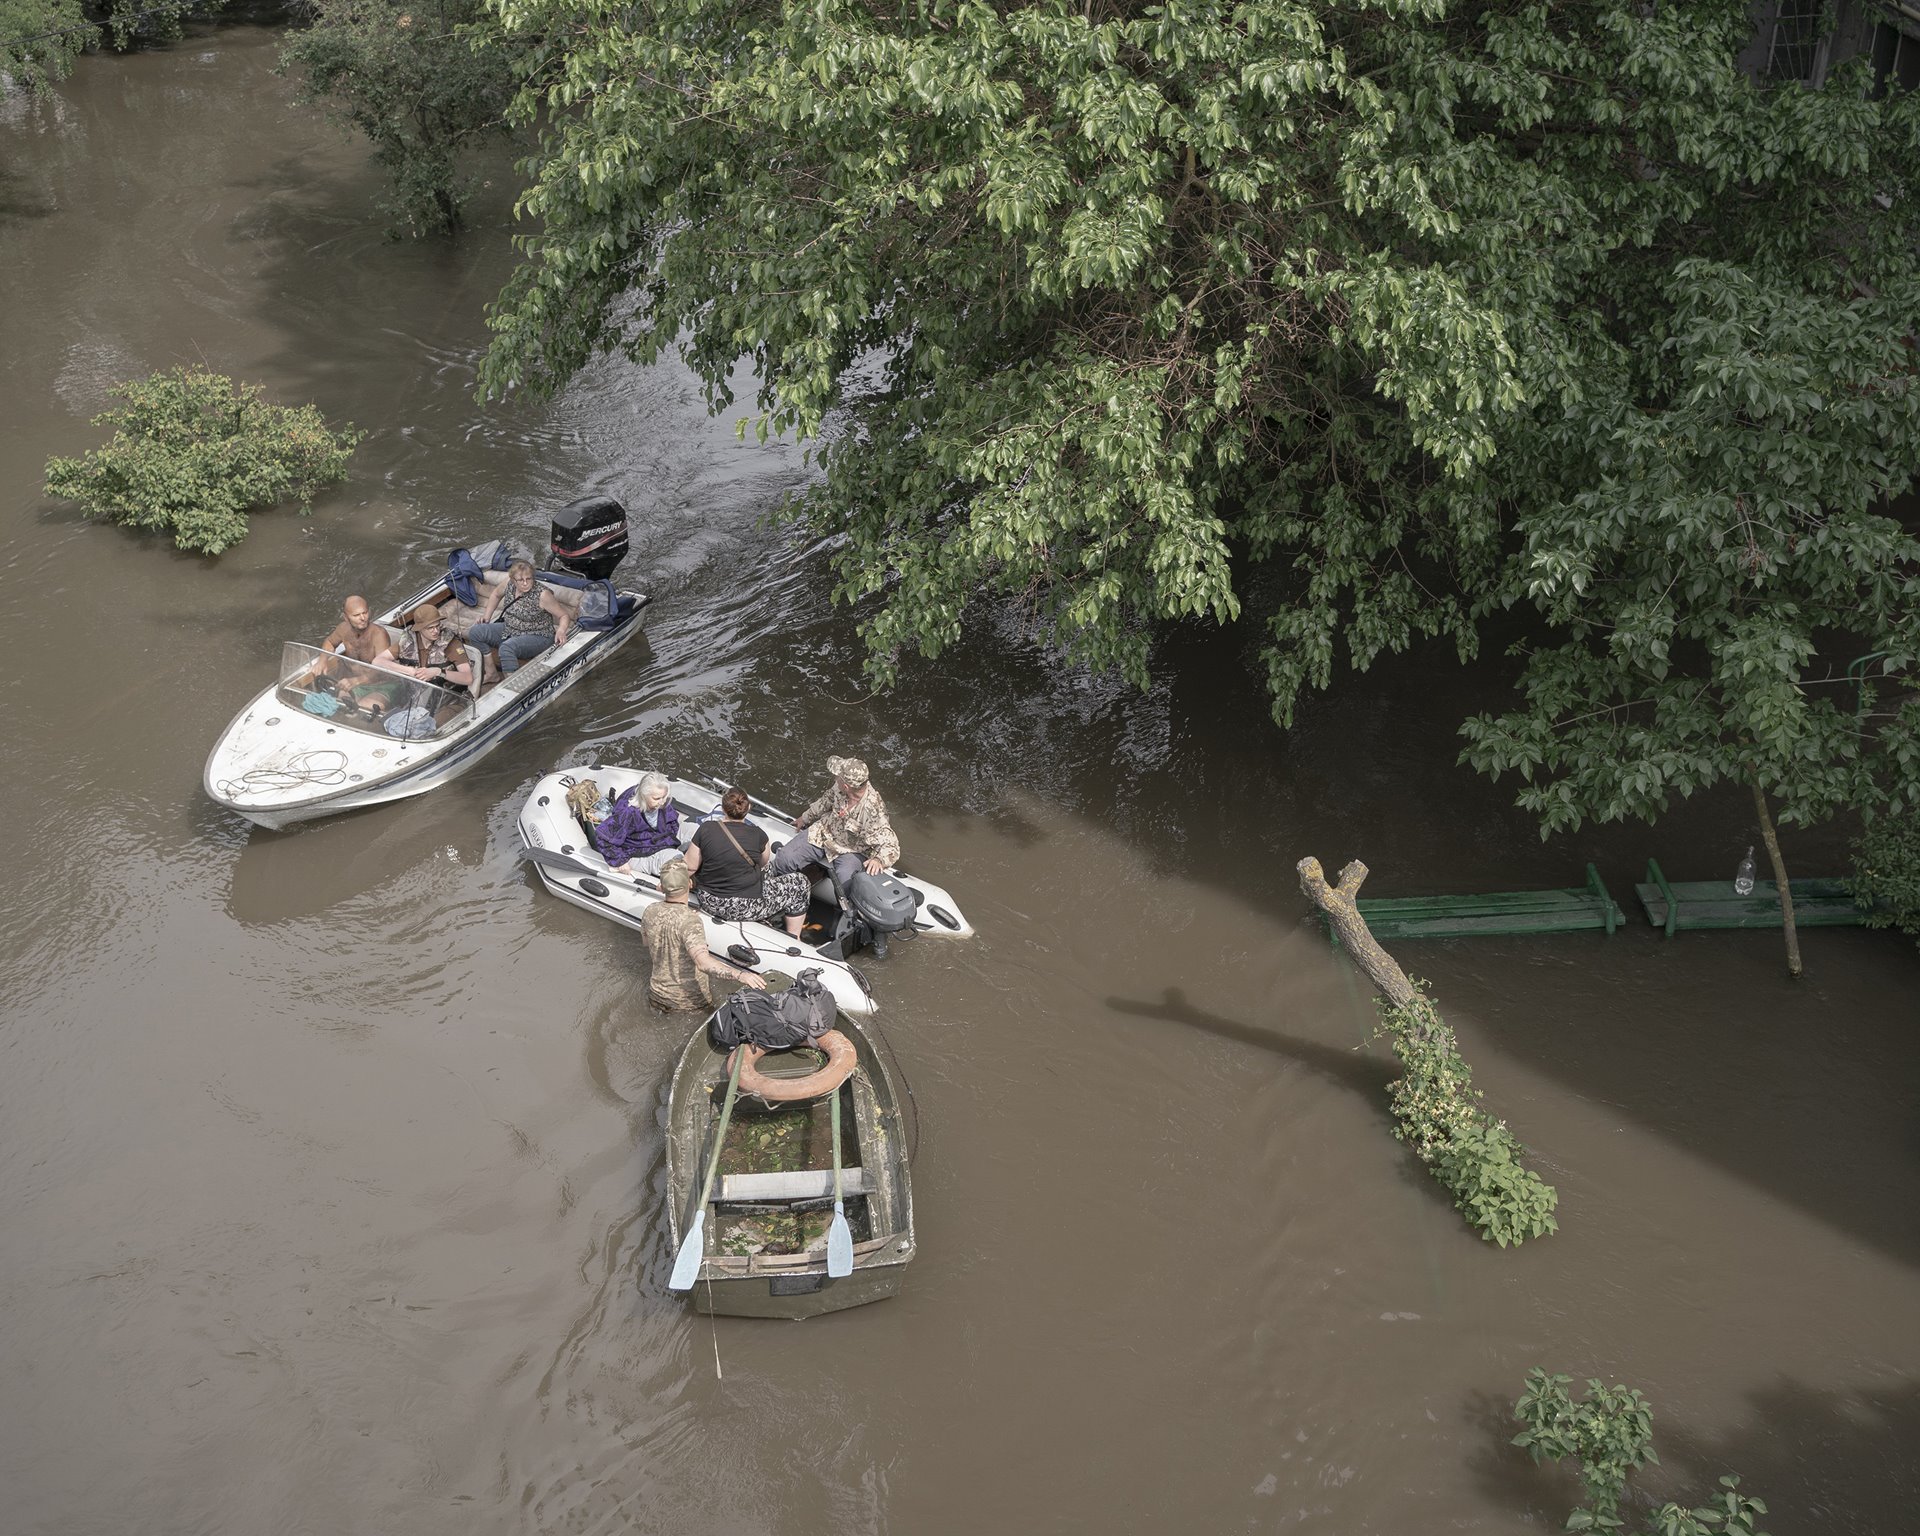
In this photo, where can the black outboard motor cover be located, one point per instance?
(590, 536)
(884, 904)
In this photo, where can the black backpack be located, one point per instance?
(774, 1021)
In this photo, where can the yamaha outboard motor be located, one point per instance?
(880, 905)
(590, 536)
(882, 902)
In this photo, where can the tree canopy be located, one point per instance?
(422, 82)
(1363, 320)
(40, 39)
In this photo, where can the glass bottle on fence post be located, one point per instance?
(1743, 876)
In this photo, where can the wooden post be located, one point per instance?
(1779, 877)
(1343, 911)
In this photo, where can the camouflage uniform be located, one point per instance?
(674, 934)
(835, 827)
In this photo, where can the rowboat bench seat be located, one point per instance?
(805, 1184)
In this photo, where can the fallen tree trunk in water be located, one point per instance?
(1340, 903)
(1435, 1102)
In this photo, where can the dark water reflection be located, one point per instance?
(330, 1161)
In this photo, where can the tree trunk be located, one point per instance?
(1779, 877)
(1338, 902)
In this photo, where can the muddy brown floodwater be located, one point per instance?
(331, 1161)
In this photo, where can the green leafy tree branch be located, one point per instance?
(41, 39)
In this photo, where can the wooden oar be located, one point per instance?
(839, 1235)
(693, 1247)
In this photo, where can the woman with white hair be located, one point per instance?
(643, 833)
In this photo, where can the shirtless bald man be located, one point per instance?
(356, 636)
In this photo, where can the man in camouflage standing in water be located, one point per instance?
(677, 952)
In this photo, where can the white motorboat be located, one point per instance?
(334, 735)
(557, 844)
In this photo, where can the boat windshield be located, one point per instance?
(368, 696)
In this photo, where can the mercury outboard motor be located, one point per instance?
(590, 536)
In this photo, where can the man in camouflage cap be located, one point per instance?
(676, 941)
(847, 830)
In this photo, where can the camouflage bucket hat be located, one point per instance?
(849, 770)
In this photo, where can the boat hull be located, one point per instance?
(796, 1286)
(797, 1295)
(312, 768)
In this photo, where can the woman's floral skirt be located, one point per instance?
(780, 896)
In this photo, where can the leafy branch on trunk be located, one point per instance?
(1438, 1109)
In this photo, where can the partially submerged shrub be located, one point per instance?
(1473, 1154)
(193, 453)
(1610, 1433)
(425, 84)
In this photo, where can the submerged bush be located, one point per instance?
(1473, 1154)
(193, 453)
(1609, 1432)
(1886, 873)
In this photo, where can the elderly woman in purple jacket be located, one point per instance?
(643, 833)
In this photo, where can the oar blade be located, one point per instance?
(839, 1245)
(693, 1248)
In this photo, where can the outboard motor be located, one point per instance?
(882, 902)
(590, 536)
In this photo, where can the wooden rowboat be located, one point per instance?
(765, 1237)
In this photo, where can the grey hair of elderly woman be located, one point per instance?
(649, 782)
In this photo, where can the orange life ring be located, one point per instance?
(842, 1058)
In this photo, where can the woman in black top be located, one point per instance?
(730, 884)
